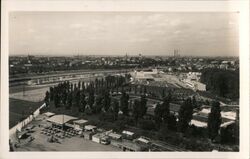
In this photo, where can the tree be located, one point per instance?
(83, 86)
(135, 88)
(77, 98)
(69, 100)
(82, 102)
(214, 120)
(163, 94)
(145, 90)
(51, 91)
(102, 82)
(115, 108)
(143, 106)
(74, 86)
(98, 105)
(91, 97)
(79, 85)
(96, 84)
(47, 98)
(147, 124)
(224, 83)
(64, 96)
(158, 115)
(124, 103)
(172, 123)
(185, 115)
(165, 109)
(136, 110)
(140, 89)
(106, 100)
(194, 102)
(139, 108)
(56, 98)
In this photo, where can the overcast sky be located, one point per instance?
(118, 33)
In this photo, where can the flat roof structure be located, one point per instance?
(61, 119)
(114, 135)
(49, 114)
(99, 135)
(141, 139)
(81, 121)
(127, 132)
(198, 123)
(90, 127)
(227, 124)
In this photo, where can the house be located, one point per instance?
(115, 136)
(173, 108)
(101, 138)
(195, 85)
(143, 140)
(90, 128)
(127, 145)
(127, 135)
(97, 137)
(88, 135)
(79, 124)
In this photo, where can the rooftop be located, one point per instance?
(61, 119)
(127, 132)
(49, 114)
(81, 121)
(143, 140)
(89, 127)
(114, 135)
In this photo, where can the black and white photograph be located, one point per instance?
(124, 81)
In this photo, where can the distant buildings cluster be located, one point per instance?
(42, 64)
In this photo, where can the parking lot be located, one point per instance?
(71, 142)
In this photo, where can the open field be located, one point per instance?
(20, 88)
(19, 109)
(35, 95)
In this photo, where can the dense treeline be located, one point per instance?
(119, 112)
(93, 97)
(224, 83)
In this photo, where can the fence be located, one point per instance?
(26, 121)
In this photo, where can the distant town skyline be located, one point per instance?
(120, 33)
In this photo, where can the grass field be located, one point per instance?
(19, 109)
(20, 88)
(35, 95)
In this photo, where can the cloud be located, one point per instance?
(30, 30)
(76, 25)
(175, 22)
(116, 31)
(135, 40)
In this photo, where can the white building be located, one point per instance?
(195, 85)
(144, 75)
(194, 76)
